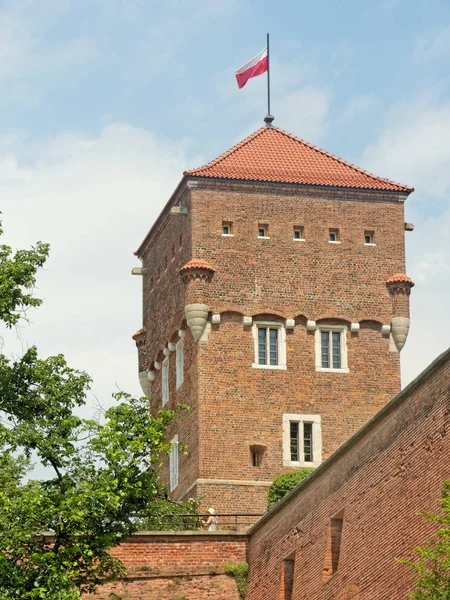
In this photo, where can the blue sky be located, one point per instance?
(103, 104)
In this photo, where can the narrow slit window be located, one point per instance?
(287, 579)
(333, 549)
(179, 361)
(255, 459)
(173, 464)
(165, 381)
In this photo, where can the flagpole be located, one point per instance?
(269, 118)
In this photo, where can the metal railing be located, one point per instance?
(225, 521)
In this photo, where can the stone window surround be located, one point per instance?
(316, 435)
(281, 338)
(318, 347)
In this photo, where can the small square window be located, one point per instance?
(299, 233)
(368, 237)
(333, 235)
(263, 231)
(226, 228)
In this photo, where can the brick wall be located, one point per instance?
(377, 482)
(165, 566)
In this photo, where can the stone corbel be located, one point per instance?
(145, 383)
(247, 321)
(197, 316)
(385, 329)
(290, 323)
(310, 325)
(215, 319)
(354, 327)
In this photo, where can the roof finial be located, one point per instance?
(268, 120)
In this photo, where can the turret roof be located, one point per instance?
(273, 155)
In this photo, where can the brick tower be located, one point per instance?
(275, 303)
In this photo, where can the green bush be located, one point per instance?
(239, 571)
(284, 484)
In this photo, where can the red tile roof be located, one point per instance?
(400, 277)
(138, 333)
(271, 154)
(195, 263)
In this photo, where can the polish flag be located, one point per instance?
(256, 66)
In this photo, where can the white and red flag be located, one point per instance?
(254, 67)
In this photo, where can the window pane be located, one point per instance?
(294, 441)
(325, 339)
(307, 442)
(273, 346)
(336, 350)
(262, 352)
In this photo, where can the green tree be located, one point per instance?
(284, 484)
(56, 533)
(432, 567)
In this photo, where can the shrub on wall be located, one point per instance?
(284, 484)
(240, 572)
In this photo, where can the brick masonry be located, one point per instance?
(377, 482)
(169, 566)
(232, 404)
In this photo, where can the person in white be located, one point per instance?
(211, 522)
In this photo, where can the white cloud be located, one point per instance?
(434, 46)
(413, 148)
(357, 106)
(94, 199)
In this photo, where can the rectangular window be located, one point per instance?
(173, 463)
(263, 231)
(331, 348)
(287, 579)
(165, 381)
(368, 237)
(302, 440)
(333, 547)
(255, 459)
(179, 359)
(333, 235)
(268, 346)
(226, 228)
(299, 233)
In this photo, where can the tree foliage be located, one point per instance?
(56, 533)
(432, 566)
(284, 484)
